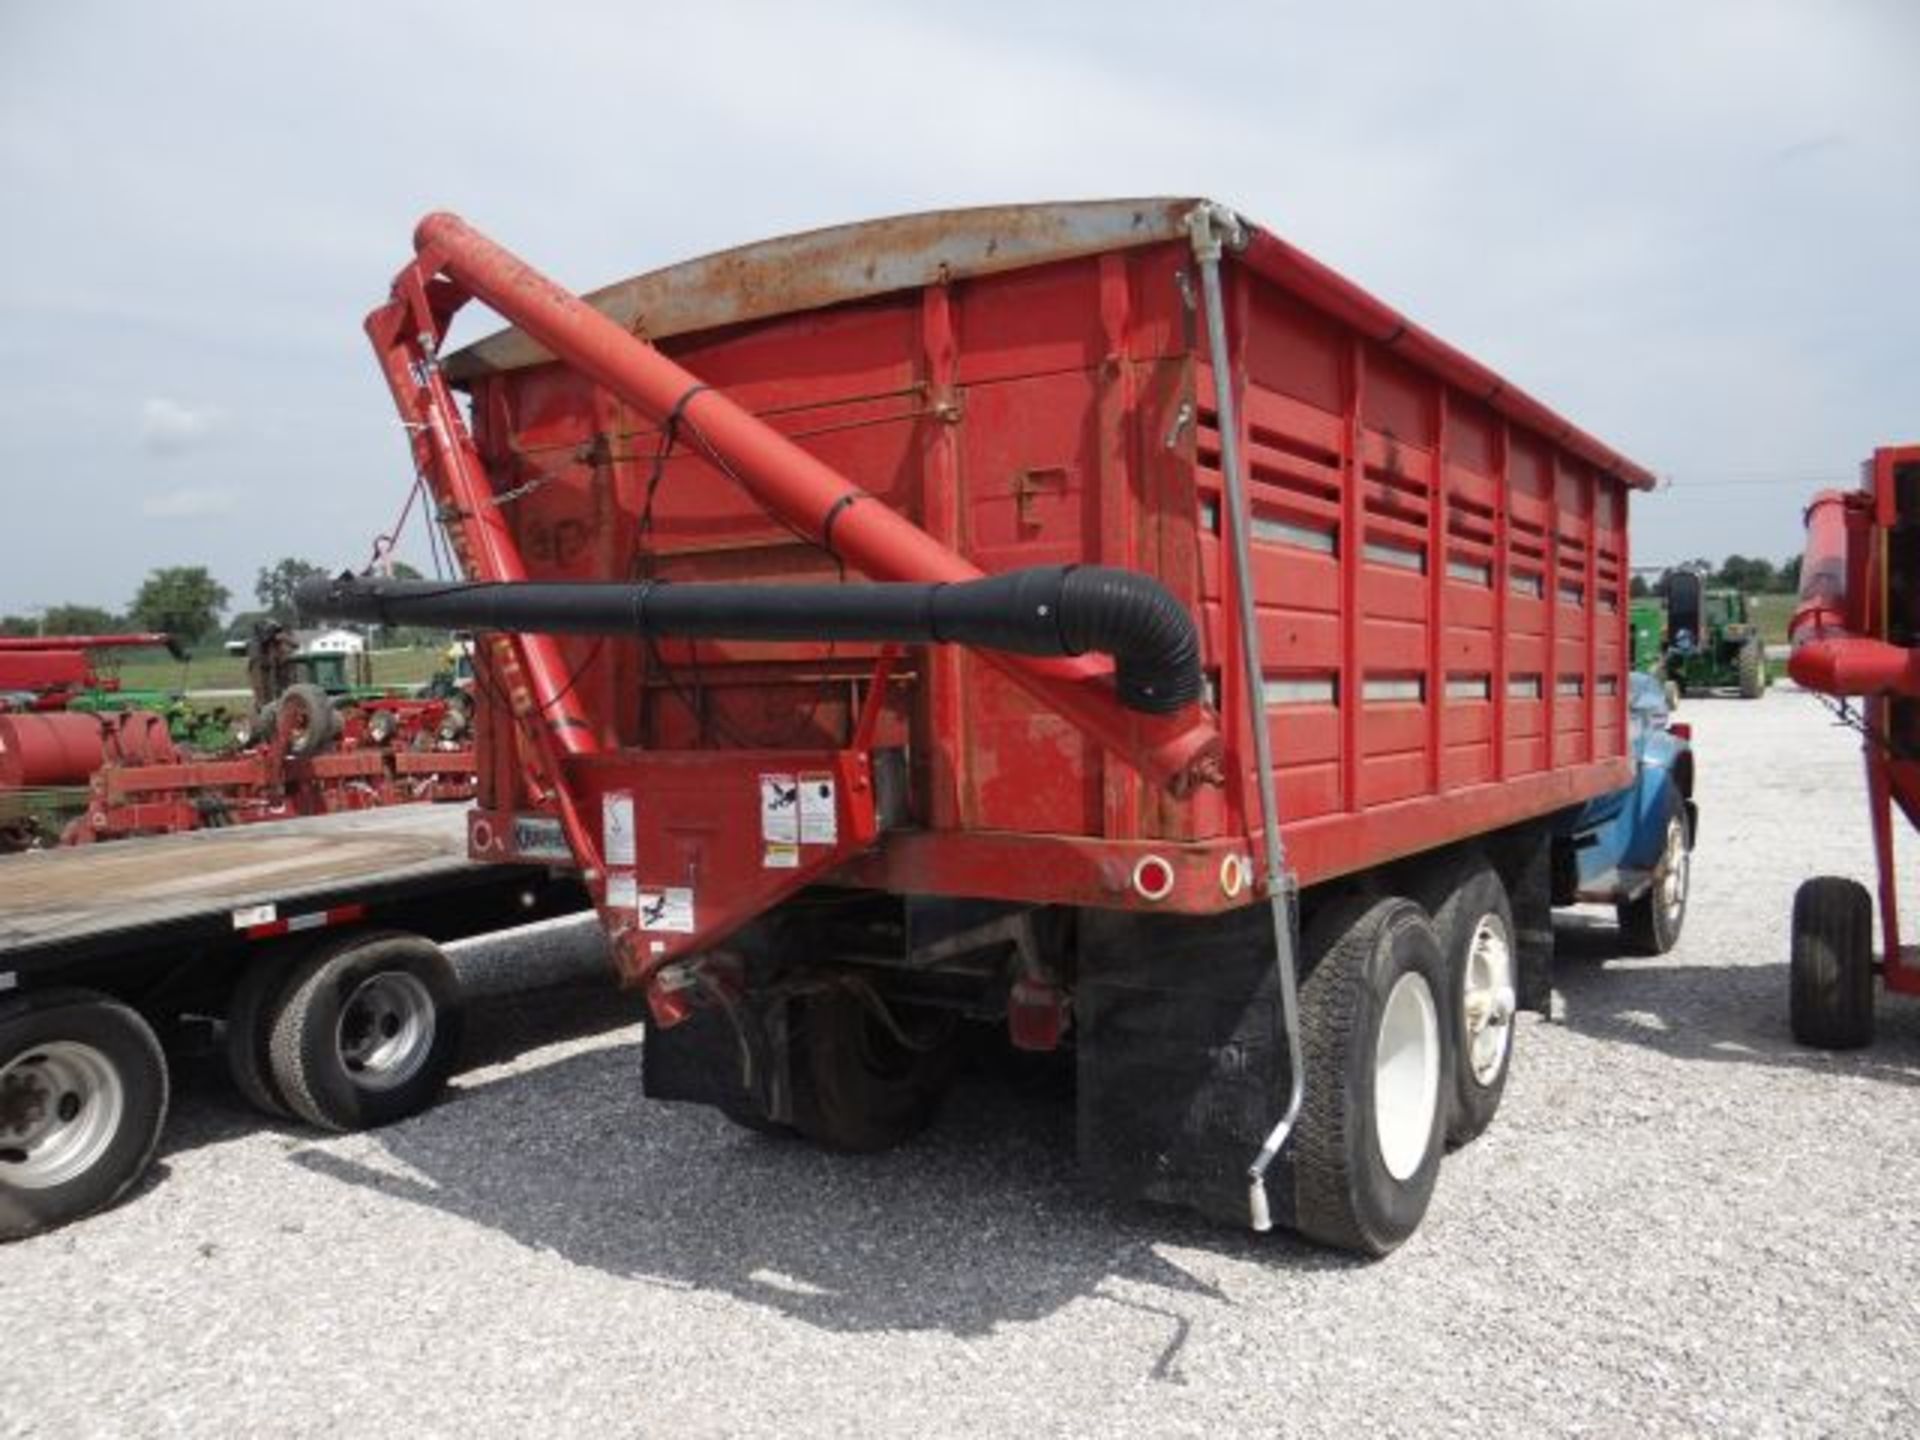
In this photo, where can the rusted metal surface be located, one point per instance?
(846, 262)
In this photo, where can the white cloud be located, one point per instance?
(190, 502)
(169, 428)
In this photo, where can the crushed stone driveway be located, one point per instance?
(1680, 1223)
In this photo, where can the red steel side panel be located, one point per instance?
(1440, 586)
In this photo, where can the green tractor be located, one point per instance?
(1711, 641)
(1647, 621)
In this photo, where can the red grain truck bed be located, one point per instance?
(814, 843)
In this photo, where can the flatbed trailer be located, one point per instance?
(313, 941)
(1097, 619)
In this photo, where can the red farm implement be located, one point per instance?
(277, 779)
(1856, 637)
(1098, 619)
(46, 672)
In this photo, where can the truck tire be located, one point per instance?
(1651, 922)
(310, 718)
(368, 1030)
(253, 1007)
(860, 1087)
(1753, 670)
(1473, 919)
(1366, 1149)
(83, 1094)
(1830, 977)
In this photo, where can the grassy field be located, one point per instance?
(217, 671)
(1771, 613)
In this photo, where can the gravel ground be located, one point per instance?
(1679, 1224)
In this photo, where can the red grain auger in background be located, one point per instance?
(1097, 619)
(1856, 637)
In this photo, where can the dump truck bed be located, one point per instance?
(1441, 560)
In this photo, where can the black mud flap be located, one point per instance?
(1525, 859)
(734, 1057)
(1182, 1055)
(698, 1061)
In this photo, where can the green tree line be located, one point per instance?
(1748, 573)
(185, 601)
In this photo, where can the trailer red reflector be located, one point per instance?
(293, 924)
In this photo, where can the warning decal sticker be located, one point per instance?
(818, 822)
(669, 909)
(780, 809)
(616, 823)
(623, 891)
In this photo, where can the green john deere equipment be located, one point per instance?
(1712, 642)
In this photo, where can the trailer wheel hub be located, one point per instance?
(60, 1107)
(386, 1029)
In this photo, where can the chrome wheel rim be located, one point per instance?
(61, 1104)
(1406, 1075)
(1674, 864)
(1487, 999)
(386, 1029)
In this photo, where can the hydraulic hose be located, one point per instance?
(1047, 611)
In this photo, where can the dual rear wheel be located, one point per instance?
(1406, 1014)
(1407, 1031)
(360, 1031)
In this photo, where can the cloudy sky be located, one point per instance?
(1690, 226)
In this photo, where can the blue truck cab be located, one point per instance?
(1633, 848)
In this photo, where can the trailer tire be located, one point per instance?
(1753, 670)
(1366, 1150)
(859, 1088)
(1830, 977)
(1651, 922)
(83, 1096)
(368, 1031)
(1473, 919)
(312, 716)
(252, 1012)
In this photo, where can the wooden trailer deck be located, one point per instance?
(59, 898)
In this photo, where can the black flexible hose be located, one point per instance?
(1046, 610)
(1153, 640)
